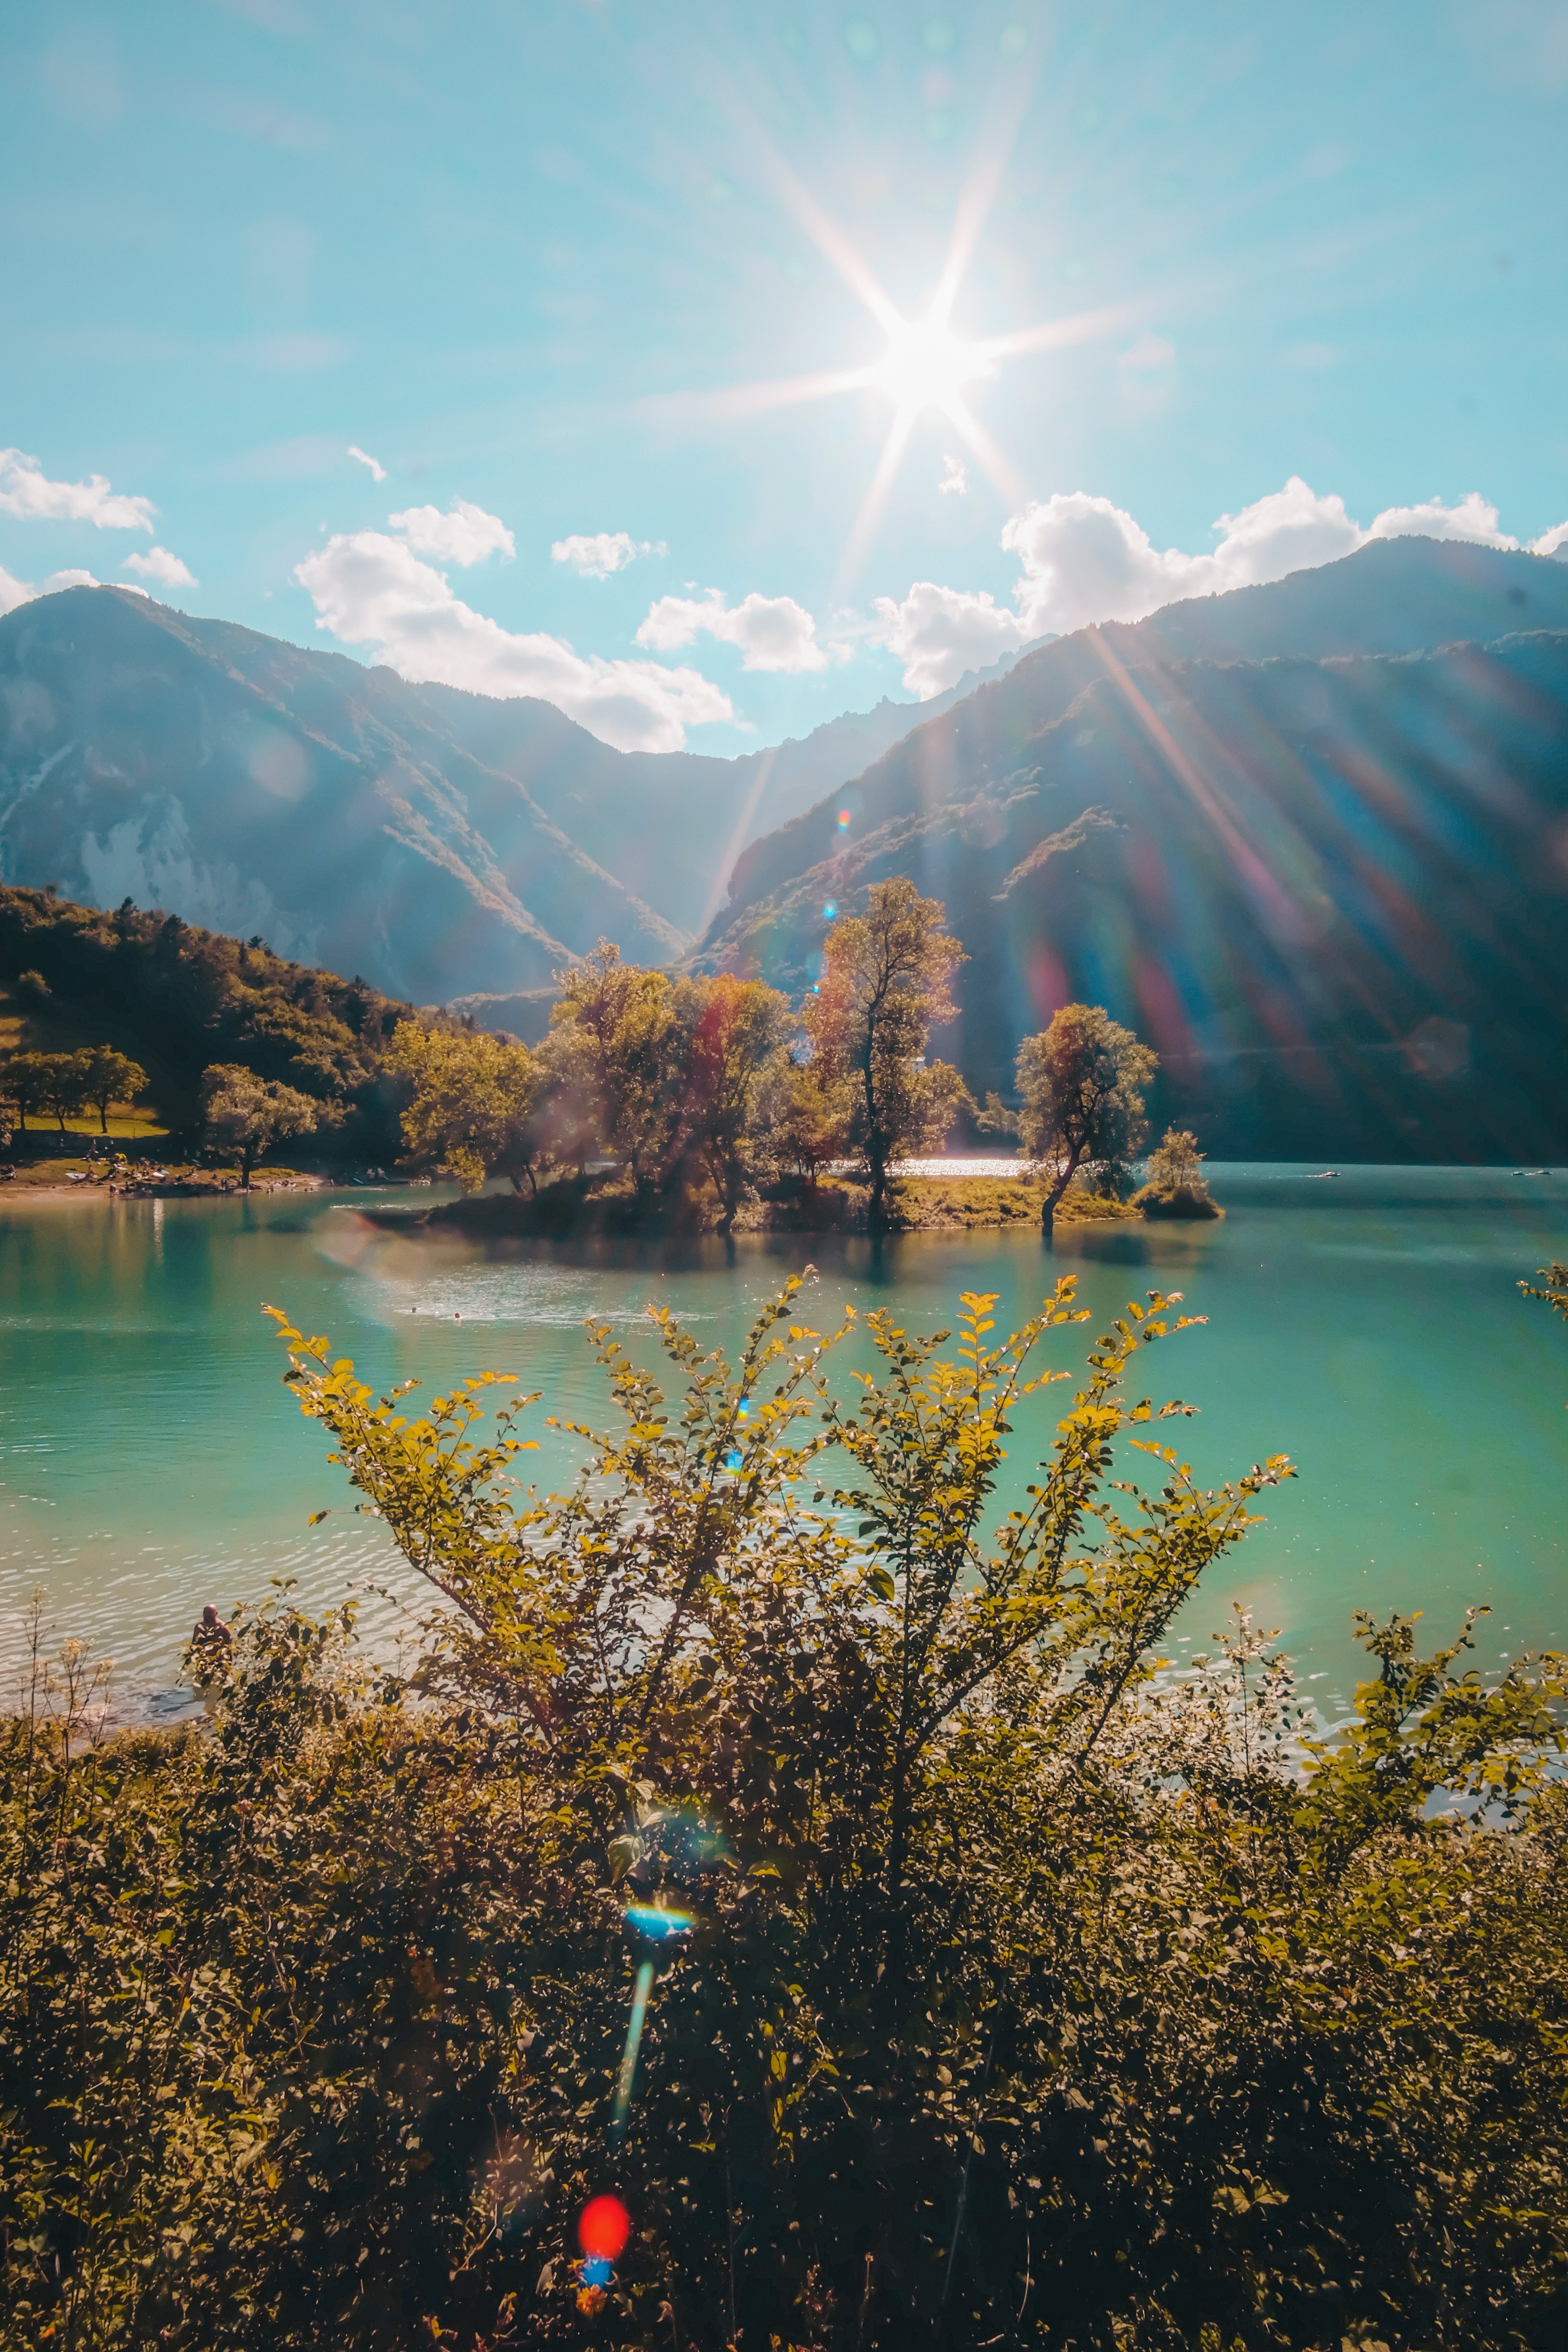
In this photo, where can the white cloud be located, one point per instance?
(595, 555)
(1085, 559)
(26, 491)
(954, 483)
(58, 580)
(939, 632)
(13, 591)
(464, 534)
(159, 565)
(372, 592)
(1471, 519)
(772, 633)
(378, 470)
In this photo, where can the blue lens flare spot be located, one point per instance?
(829, 910)
(660, 1926)
(734, 1461)
(596, 2270)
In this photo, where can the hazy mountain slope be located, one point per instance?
(1333, 892)
(243, 783)
(442, 843)
(670, 825)
(1393, 596)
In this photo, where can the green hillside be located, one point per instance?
(176, 999)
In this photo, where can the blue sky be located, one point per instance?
(521, 253)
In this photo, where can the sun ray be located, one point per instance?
(979, 195)
(750, 399)
(828, 238)
(1003, 475)
(873, 503)
(1058, 334)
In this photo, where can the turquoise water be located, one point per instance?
(1370, 1327)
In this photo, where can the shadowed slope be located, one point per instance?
(1334, 892)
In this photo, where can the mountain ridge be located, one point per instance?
(459, 842)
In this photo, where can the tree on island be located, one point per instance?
(885, 985)
(472, 1097)
(1174, 1184)
(612, 1051)
(109, 1076)
(246, 1114)
(1082, 1082)
(806, 1116)
(732, 1031)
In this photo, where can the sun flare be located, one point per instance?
(927, 366)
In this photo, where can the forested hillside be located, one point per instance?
(177, 999)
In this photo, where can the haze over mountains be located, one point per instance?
(1310, 839)
(435, 842)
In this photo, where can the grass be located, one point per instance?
(126, 1125)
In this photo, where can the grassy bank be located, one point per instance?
(916, 1204)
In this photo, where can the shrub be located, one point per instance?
(997, 1986)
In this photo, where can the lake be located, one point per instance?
(1368, 1327)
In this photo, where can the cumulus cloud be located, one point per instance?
(1084, 559)
(58, 580)
(954, 483)
(378, 471)
(159, 565)
(373, 591)
(464, 534)
(772, 633)
(13, 591)
(598, 553)
(26, 491)
(939, 632)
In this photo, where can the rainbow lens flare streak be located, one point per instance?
(629, 2055)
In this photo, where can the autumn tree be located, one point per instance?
(619, 1057)
(1081, 1083)
(109, 1076)
(472, 1094)
(247, 1115)
(805, 1116)
(729, 1031)
(885, 985)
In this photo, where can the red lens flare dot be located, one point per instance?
(604, 2228)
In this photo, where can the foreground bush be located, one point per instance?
(1004, 1992)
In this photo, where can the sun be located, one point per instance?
(927, 366)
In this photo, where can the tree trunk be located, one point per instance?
(103, 1114)
(1064, 1178)
(247, 1160)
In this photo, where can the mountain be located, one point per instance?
(1310, 840)
(1393, 596)
(439, 843)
